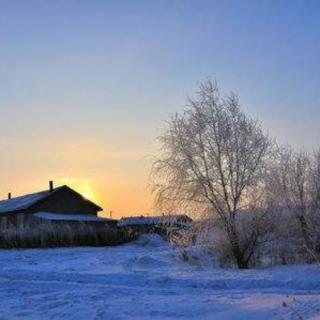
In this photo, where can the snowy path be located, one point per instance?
(146, 280)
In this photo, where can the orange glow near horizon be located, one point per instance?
(115, 179)
(117, 199)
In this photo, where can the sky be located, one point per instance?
(86, 86)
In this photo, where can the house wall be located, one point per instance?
(3, 223)
(14, 220)
(25, 219)
(65, 201)
(76, 224)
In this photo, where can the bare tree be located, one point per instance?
(296, 183)
(315, 196)
(315, 180)
(213, 156)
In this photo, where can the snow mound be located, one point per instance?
(146, 280)
(151, 240)
(146, 262)
(153, 253)
(198, 255)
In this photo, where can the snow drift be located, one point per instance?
(147, 279)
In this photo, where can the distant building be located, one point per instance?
(57, 205)
(155, 223)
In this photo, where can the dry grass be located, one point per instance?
(48, 235)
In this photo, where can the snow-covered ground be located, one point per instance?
(147, 280)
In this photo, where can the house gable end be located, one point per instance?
(65, 200)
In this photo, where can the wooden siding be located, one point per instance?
(17, 220)
(27, 219)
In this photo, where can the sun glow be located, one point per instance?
(87, 195)
(81, 186)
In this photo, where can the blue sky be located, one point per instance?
(86, 85)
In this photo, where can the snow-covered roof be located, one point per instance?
(130, 221)
(23, 202)
(70, 217)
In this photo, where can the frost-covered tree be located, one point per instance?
(315, 180)
(212, 157)
(296, 185)
(315, 196)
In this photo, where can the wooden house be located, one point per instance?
(57, 205)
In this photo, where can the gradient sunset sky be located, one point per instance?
(85, 86)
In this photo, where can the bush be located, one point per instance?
(278, 241)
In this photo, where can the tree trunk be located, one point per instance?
(304, 231)
(242, 263)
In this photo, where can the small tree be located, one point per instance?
(315, 195)
(212, 157)
(315, 180)
(295, 182)
(293, 176)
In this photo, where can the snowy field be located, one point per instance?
(147, 280)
